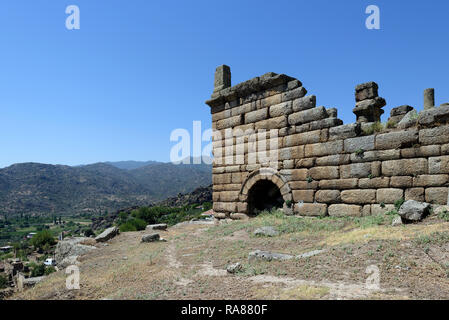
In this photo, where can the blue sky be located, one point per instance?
(136, 70)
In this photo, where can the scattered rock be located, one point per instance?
(234, 268)
(441, 209)
(309, 254)
(266, 231)
(151, 237)
(397, 221)
(413, 210)
(268, 256)
(161, 226)
(107, 234)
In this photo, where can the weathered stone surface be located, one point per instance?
(436, 180)
(303, 195)
(294, 94)
(324, 123)
(268, 256)
(327, 196)
(339, 184)
(389, 195)
(439, 165)
(222, 78)
(160, 226)
(401, 110)
(224, 207)
(302, 138)
(322, 173)
(414, 211)
(303, 185)
(369, 110)
(429, 98)
(355, 170)
(404, 167)
(107, 234)
(381, 209)
(401, 182)
(230, 122)
(257, 115)
(153, 237)
(398, 139)
(419, 152)
(310, 209)
(416, 194)
(437, 135)
(359, 143)
(343, 210)
(323, 149)
(299, 174)
(306, 116)
(358, 196)
(72, 247)
(333, 160)
(282, 109)
(345, 131)
(374, 155)
(374, 183)
(409, 120)
(273, 123)
(437, 195)
(434, 115)
(304, 103)
(266, 232)
(366, 91)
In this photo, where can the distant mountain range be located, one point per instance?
(35, 188)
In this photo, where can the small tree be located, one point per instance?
(42, 238)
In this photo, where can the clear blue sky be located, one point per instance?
(136, 70)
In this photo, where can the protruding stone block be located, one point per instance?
(222, 78)
(429, 98)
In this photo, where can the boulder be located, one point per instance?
(266, 231)
(107, 234)
(152, 237)
(160, 226)
(268, 256)
(234, 268)
(413, 210)
(71, 247)
(69, 261)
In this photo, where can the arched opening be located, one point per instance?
(264, 195)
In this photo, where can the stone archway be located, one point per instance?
(264, 188)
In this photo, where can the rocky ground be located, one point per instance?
(412, 260)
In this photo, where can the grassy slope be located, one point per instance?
(413, 262)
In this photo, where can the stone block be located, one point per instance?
(360, 143)
(420, 152)
(355, 170)
(303, 185)
(345, 131)
(304, 103)
(404, 167)
(257, 115)
(358, 196)
(439, 165)
(305, 163)
(389, 195)
(273, 123)
(378, 209)
(437, 135)
(327, 196)
(324, 173)
(323, 149)
(344, 210)
(230, 122)
(299, 174)
(324, 123)
(333, 160)
(437, 195)
(282, 109)
(311, 209)
(401, 182)
(306, 116)
(225, 206)
(375, 155)
(339, 184)
(436, 180)
(303, 195)
(398, 139)
(416, 194)
(374, 183)
(366, 91)
(294, 94)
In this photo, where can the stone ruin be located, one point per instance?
(318, 166)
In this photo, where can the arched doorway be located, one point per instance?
(264, 195)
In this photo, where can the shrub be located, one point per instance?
(49, 270)
(375, 127)
(42, 238)
(38, 270)
(3, 281)
(89, 232)
(398, 203)
(133, 225)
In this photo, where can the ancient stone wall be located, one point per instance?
(318, 165)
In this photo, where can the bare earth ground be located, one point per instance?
(413, 261)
